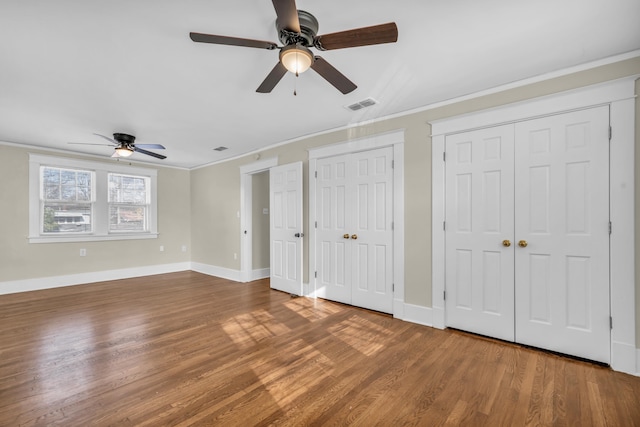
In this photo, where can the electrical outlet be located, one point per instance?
(83, 252)
(161, 248)
(235, 255)
(184, 248)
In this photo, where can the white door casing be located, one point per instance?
(286, 227)
(479, 235)
(562, 213)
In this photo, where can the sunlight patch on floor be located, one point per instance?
(312, 309)
(287, 382)
(249, 328)
(363, 335)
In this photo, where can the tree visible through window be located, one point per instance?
(128, 202)
(66, 196)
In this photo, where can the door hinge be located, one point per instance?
(316, 174)
(610, 227)
(610, 322)
(444, 156)
(444, 295)
(610, 132)
(444, 225)
(315, 275)
(392, 225)
(393, 164)
(393, 287)
(316, 224)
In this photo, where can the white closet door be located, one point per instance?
(286, 227)
(333, 229)
(562, 213)
(479, 232)
(354, 235)
(371, 229)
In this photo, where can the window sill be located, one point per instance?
(91, 238)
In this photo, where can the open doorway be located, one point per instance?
(254, 220)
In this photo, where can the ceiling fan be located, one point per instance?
(125, 146)
(297, 31)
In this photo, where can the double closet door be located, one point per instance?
(527, 232)
(354, 230)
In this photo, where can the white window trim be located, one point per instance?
(101, 170)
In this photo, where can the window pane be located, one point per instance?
(66, 218)
(127, 218)
(66, 185)
(128, 189)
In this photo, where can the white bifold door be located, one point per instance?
(527, 233)
(354, 233)
(286, 228)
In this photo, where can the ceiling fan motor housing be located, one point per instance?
(308, 30)
(124, 139)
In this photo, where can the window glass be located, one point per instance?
(66, 200)
(128, 203)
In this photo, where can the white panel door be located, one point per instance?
(354, 209)
(371, 230)
(562, 213)
(286, 227)
(333, 231)
(479, 232)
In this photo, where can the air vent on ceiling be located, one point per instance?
(220, 149)
(362, 104)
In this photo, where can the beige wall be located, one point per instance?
(21, 260)
(206, 218)
(417, 209)
(259, 221)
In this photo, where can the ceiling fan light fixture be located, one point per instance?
(124, 151)
(296, 58)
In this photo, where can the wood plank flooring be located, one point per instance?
(186, 349)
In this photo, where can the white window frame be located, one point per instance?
(100, 217)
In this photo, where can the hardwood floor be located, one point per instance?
(185, 349)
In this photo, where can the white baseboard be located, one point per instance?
(212, 270)
(625, 358)
(637, 372)
(25, 285)
(418, 314)
(260, 273)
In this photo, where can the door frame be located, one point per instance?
(620, 96)
(246, 218)
(393, 139)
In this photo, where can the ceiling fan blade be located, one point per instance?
(111, 140)
(366, 36)
(333, 76)
(287, 12)
(154, 146)
(149, 153)
(231, 41)
(272, 79)
(88, 143)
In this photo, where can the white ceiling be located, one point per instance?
(69, 69)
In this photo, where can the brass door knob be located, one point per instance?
(346, 236)
(506, 243)
(522, 243)
(354, 236)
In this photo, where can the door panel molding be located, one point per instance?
(619, 95)
(393, 139)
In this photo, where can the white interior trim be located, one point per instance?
(393, 139)
(246, 218)
(40, 283)
(619, 95)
